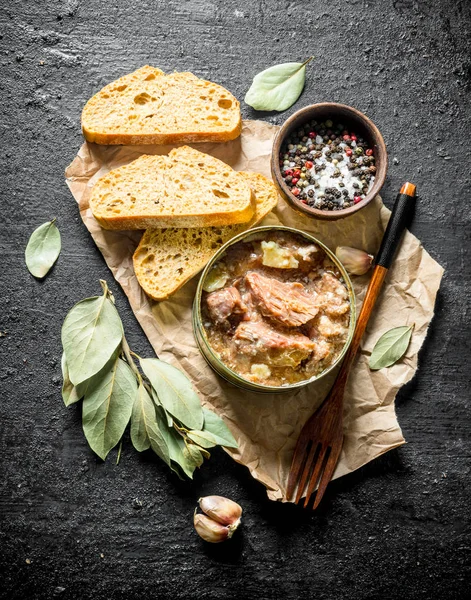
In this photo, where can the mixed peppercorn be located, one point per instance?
(327, 166)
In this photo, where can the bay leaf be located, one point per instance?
(204, 452)
(193, 455)
(181, 461)
(390, 347)
(168, 417)
(90, 334)
(174, 392)
(43, 249)
(215, 432)
(107, 407)
(278, 87)
(145, 431)
(205, 439)
(70, 393)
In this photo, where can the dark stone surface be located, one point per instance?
(71, 528)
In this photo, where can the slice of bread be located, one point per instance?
(167, 258)
(184, 189)
(149, 107)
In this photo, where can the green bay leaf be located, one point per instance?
(205, 439)
(390, 347)
(278, 87)
(107, 406)
(174, 392)
(43, 249)
(194, 456)
(90, 334)
(145, 430)
(181, 461)
(214, 425)
(70, 393)
(168, 417)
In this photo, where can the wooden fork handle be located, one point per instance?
(400, 218)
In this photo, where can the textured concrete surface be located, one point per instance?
(73, 527)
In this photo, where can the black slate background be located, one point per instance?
(76, 528)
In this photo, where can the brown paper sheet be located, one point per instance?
(267, 426)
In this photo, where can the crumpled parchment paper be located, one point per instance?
(267, 426)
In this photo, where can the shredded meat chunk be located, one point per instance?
(328, 328)
(335, 296)
(287, 303)
(224, 303)
(278, 348)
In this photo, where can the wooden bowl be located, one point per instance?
(352, 119)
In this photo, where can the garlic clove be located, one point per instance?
(222, 510)
(210, 530)
(356, 262)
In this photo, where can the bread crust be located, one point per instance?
(172, 191)
(160, 139)
(218, 219)
(266, 198)
(145, 80)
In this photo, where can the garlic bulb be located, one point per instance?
(220, 521)
(356, 262)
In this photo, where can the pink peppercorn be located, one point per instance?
(294, 181)
(356, 199)
(308, 164)
(288, 172)
(295, 191)
(369, 152)
(346, 137)
(348, 151)
(312, 134)
(296, 173)
(354, 137)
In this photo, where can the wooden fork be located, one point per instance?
(320, 442)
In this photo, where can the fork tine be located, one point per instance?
(327, 474)
(318, 468)
(310, 461)
(297, 465)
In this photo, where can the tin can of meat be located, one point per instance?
(213, 357)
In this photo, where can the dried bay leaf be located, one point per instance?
(43, 249)
(278, 87)
(145, 430)
(215, 432)
(70, 393)
(90, 334)
(174, 392)
(193, 455)
(168, 417)
(215, 425)
(181, 462)
(205, 439)
(107, 407)
(390, 347)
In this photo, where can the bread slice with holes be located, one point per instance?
(167, 258)
(150, 107)
(184, 189)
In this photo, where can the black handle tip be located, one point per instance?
(401, 217)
